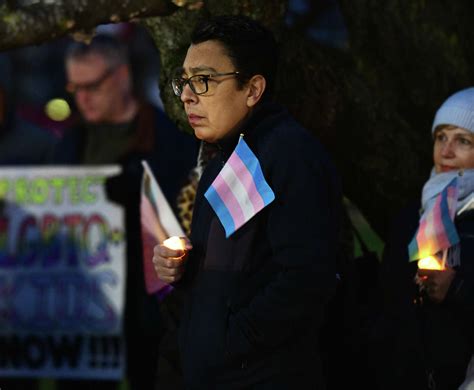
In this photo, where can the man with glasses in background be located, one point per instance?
(260, 266)
(116, 127)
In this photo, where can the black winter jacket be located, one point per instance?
(255, 300)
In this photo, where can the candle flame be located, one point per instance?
(430, 262)
(174, 242)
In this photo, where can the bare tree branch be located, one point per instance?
(46, 20)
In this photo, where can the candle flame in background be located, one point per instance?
(430, 262)
(174, 242)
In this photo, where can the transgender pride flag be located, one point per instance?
(436, 231)
(158, 222)
(239, 190)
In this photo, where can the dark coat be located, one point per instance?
(171, 154)
(255, 300)
(414, 339)
(23, 143)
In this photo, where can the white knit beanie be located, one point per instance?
(457, 110)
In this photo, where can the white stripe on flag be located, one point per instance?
(232, 180)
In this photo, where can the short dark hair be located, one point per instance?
(250, 46)
(113, 51)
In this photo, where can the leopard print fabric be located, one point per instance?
(187, 194)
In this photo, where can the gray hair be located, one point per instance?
(109, 48)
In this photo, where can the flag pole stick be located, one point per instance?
(443, 262)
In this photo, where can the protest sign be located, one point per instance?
(62, 274)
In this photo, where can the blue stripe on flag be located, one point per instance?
(413, 251)
(253, 165)
(221, 210)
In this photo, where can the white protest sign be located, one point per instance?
(62, 274)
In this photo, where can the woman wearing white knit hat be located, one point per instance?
(428, 266)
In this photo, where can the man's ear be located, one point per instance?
(256, 87)
(124, 75)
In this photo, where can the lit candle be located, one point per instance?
(174, 242)
(430, 262)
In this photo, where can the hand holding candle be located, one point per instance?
(170, 257)
(434, 278)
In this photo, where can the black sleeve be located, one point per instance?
(396, 276)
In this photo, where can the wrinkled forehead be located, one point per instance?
(182, 71)
(207, 57)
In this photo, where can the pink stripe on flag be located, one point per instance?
(426, 238)
(149, 240)
(422, 239)
(440, 233)
(247, 181)
(230, 201)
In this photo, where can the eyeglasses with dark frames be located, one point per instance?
(198, 83)
(92, 86)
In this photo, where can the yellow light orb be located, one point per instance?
(58, 110)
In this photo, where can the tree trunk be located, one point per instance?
(43, 21)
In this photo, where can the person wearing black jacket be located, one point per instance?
(254, 297)
(425, 336)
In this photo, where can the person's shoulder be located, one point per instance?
(71, 134)
(286, 149)
(280, 128)
(166, 127)
(288, 129)
(67, 147)
(160, 117)
(288, 139)
(26, 143)
(31, 131)
(168, 144)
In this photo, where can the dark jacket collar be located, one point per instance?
(249, 127)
